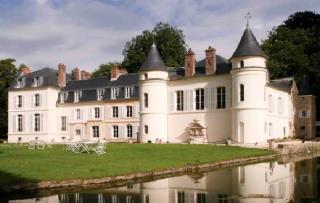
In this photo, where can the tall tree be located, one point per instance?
(104, 69)
(169, 40)
(8, 72)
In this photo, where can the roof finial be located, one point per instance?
(248, 17)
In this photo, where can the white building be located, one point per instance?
(208, 101)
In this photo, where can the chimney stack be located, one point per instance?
(85, 75)
(25, 70)
(116, 71)
(210, 61)
(190, 63)
(76, 74)
(61, 75)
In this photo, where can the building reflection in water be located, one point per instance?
(257, 183)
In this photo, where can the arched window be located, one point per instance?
(241, 92)
(241, 64)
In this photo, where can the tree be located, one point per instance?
(170, 43)
(8, 72)
(294, 49)
(104, 69)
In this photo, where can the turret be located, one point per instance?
(153, 77)
(249, 78)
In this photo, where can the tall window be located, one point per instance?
(201, 198)
(221, 97)
(115, 112)
(63, 96)
(96, 112)
(129, 111)
(146, 100)
(114, 92)
(146, 129)
(36, 100)
(36, 122)
(95, 131)
(78, 114)
(179, 100)
(37, 81)
(241, 92)
(241, 64)
(20, 101)
(280, 105)
(63, 123)
(200, 99)
(128, 91)
(129, 131)
(76, 96)
(20, 123)
(20, 82)
(78, 132)
(100, 93)
(181, 197)
(270, 103)
(115, 131)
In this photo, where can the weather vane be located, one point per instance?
(248, 17)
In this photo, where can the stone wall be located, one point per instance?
(305, 118)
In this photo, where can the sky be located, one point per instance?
(87, 33)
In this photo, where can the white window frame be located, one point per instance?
(20, 123)
(179, 100)
(36, 100)
(78, 114)
(37, 122)
(63, 123)
(280, 105)
(77, 95)
(100, 93)
(129, 111)
(129, 131)
(221, 97)
(95, 131)
(115, 112)
(199, 99)
(115, 131)
(146, 129)
(20, 101)
(270, 103)
(37, 81)
(78, 131)
(128, 92)
(20, 82)
(97, 113)
(115, 92)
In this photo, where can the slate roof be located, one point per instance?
(153, 61)
(49, 78)
(88, 88)
(248, 45)
(223, 67)
(282, 84)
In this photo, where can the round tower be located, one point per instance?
(249, 78)
(153, 81)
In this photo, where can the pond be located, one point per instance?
(263, 182)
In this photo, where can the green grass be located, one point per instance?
(19, 164)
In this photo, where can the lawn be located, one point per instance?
(19, 164)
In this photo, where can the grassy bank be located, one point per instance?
(19, 164)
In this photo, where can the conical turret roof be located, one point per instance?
(248, 45)
(153, 61)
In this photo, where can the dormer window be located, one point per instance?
(114, 92)
(128, 91)
(241, 64)
(63, 96)
(77, 95)
(37, 81)
(100, 93)
(20, 82)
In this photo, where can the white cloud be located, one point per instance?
(86, 33)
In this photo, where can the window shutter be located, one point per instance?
(33, 100)
(110, 111)
(31, 121)
(171, 101)
(120, 112)
(41, 122)
(15, 101)
(206, 98)
(40, 99)
(124, 135)
(41, 80)
(211, 98)
(91, 113)
(14, 121)
(111, 131)
(134, 131)
(101, 112)
(190, 100)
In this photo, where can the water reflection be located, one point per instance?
(257, 183)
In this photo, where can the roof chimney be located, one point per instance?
(211, 61)
(189, 63)
(76, 74)
(85, 75)
(116, 71)
(25, 70)
(61, 75)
